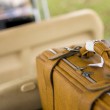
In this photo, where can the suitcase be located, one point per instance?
(75, 77)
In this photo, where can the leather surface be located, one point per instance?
(64, 88)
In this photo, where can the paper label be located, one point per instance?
(90, 46)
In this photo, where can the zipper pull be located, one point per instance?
(87, 76)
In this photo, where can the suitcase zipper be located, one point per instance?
(87, 76)
(84, 74)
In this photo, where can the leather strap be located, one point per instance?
(65, 54)
(88, 98)
(48, 72)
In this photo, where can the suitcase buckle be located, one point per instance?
(75, 49)
(71, 52)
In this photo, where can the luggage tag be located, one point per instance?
(90, 47)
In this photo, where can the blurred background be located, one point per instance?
(35, 10)
(102, 7)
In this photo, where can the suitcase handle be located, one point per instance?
(100, 48)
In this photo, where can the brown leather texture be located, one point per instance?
(66, 82)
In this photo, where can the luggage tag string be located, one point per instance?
(90, 47)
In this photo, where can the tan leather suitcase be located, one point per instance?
(75, 78)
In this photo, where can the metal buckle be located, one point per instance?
(75, 49)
